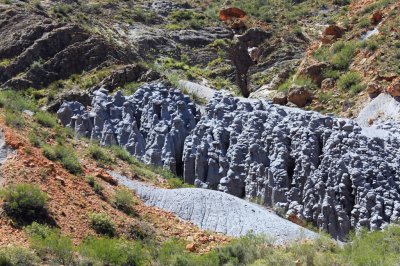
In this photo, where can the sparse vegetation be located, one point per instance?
(24, 202)
(102, 224)
(51, 244)
(45, 119)
(350, 81)
(65, 156)
(99, 154)
(124, 201)
(98, 189)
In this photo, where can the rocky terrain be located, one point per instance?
(291, 105)
(219, 212)
(322, 169)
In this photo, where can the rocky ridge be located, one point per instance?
(322, 169)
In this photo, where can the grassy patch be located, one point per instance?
(350, 81)
(49, 243)
(91, 180)
(45, 119)
(65, 156)
(124, 201)
(99, 154)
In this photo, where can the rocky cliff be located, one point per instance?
(323, 169)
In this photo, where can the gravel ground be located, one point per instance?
(218, 211)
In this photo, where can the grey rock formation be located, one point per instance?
(4, 149)
(322, 169)
(152, 124)
(219, 212)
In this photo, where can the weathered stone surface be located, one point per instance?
(202, 37)
(43, 50)
(219, 212)
(300, 96)
(326, 170)
(152, 124)
(321, 169)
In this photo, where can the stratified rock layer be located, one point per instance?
(152, 124)
(325, 170)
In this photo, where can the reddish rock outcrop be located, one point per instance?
(231, 13)
(300, 96)
(377, 17)
(394, 88)
(331, 33)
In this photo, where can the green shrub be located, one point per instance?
(364, 22)
(102, 224)
(349, 80)
(111, 251)
(17, 256)
(331, 73)
(15, 101)
(24, 201)
(244, 250)
(141, 230)
(34, 139)
(65, 156)
(14, 119)
(94, 184)
(374, 248)
(98, 154)
(122, 154)
(50, 243)
(343, 53)
(45, 119)
(124, 201)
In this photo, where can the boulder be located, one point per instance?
(377, 17)
(394, 88)
(231, 13)
(374, 89)
(314, 71)
(280, 98)
(332, 33)
(328, 84)
(300, 96)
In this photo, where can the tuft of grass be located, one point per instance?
(99, 154)
(111, 251)
(122, 154)
(98, 189)
(65, 156)
(350, 81)
(45, 119)
(14, 119)
(124, 201)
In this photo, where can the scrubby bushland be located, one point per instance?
(24, 202)
(364, 248)
(50, 244)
